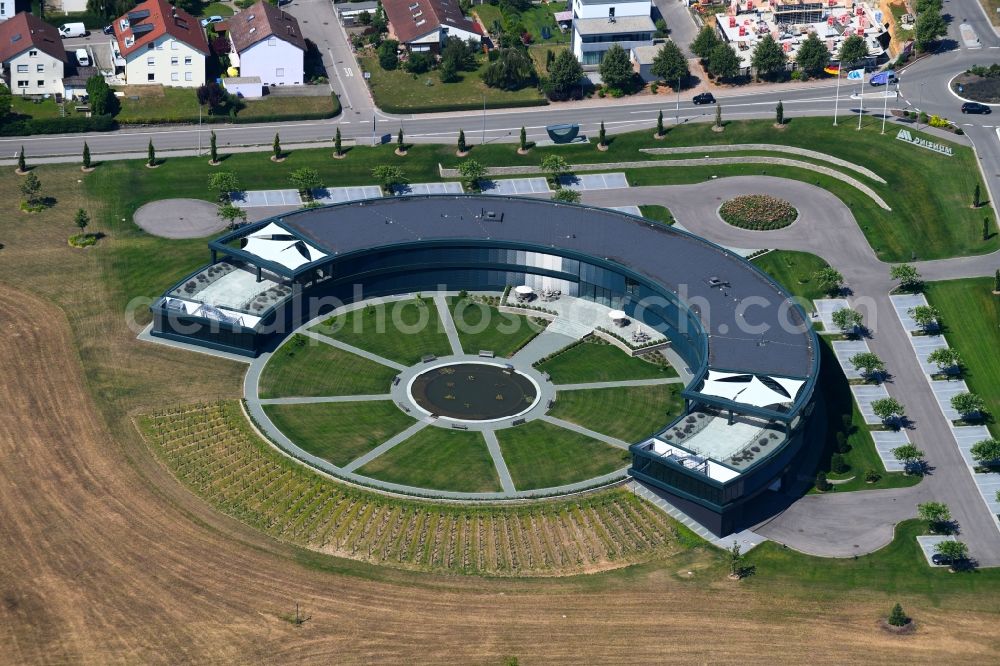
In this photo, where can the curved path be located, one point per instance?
(827, 228)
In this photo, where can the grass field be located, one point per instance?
(533, 20)
(795, 271)
(306, 367)
(971, 316)
(628, 413)
(600, 362)
(484, 327)
(402, 331)
(657, 214)
(542, 455)
(149, 103)
(339, 432)
(439, 459)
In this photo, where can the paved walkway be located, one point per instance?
(357, 351)
(179, 218)
(586, 431)
(498, 462)
(627, 382)
(449, 324)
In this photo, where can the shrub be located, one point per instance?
(838, 465)
(897, 617)
(872, 476)
(759, 212)
(821, 483)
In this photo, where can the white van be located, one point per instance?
(72, 30)
(82, 58)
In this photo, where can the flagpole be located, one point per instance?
(861, 108)
(836, 104)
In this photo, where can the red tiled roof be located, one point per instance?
(259, 22)
(162, 19)
(25, 31)
(411, 19)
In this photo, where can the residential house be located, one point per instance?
(597, 24)
(33, 56)
(159, 43)
(6, 9)
(267, 44)
(422, 25)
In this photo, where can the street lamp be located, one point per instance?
(677, 111)
(484, 120)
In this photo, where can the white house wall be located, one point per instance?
(600, 10)
(6, 9)
(172, 63)
(275, 61)
(41, 73)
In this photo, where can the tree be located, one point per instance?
(616, 68)
(86, 155)
(400, 146)
(779, 113)
(305, 180)
(418, 63)
(472, 172)
(602, 136)
(888, 409)
(813, 56)
(670, 65)
(937, 515)
(462, 147)
(929, 26)
(150, 154)
(969, 405)
(945, 358)
(213, 148)
(459, 54)
(768, 58)
(338, 147)
(908, 276)
(388, 175)
(101, 97)
(853, 50)
(986, 451)
(233, 215)
(975, 196)
(897, 617)
(830, 279)
(448, 73)
(81, 219)
(387, 56)
(659, 123)
(276, 147)
(996, 281)
(564, 75)
(31, 190)
(22, 164)
(219, 100)
(956, 551)
(868, 364)
(718, 115)
(566, 195)
(735, 561)
(555, 166)
(224, 183)
(661, 28)
(523, 141)
(723, 63)
(847, 320)
(512, 70)
(909, 455)
(703, 44)
(925, 316)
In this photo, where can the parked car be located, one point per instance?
(72, 30)
(884, 78)
(704, 98)
(210, 20)
(282, 3)
(82, 57)
(976, 107)
(940, 560)
(109, 29)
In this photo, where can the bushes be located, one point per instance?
(758, 212)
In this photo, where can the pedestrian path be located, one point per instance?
(354, 350)
(542, 345)
(444, 312)
(308, 400)
(613, 441)
(506, 483)
(621, 384)
(399, 438)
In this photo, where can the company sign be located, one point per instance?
(904, 135)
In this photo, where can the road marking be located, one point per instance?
(348, 71)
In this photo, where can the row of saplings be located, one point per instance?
(34, 201)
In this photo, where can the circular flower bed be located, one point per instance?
(758, 212)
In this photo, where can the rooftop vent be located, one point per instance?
(253, 30)
(15, 38)
(251, 17)
(421, 21)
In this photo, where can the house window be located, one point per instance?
(174, 61)
(39, 68)
(280, 71)
(150, 62)
(33, 53)
(41, 83)
(150, 46)
(151, 76)
(187, 76)
(22, 84)
(187, 60)
(22, 69)
(175, 76)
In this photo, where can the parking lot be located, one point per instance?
(516, 186)
(428, 188)
(594, 181)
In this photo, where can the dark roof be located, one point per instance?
(150, 20)
(259, 22)
(25, 31)
(677, 261)
(411, 19)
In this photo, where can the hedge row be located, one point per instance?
(440, 108)
(70, 124)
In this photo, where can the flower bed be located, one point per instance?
(758, 212)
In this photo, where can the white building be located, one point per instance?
(267, 44)
(597, 24)
(158, 43)
(6, 9)
(32, 55)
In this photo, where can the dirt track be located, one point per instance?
(107, 560)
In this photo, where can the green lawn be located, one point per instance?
(306, 367)
(402, 331)
(216, 9)
(657, 214)
(600, 362)
(339, 431)
(971, 316)
(485, 327)
(794, 270)
(628, 413)
(401, 92)
(439, 459)
(533, 20)
(42, 108)
(153, 103)
(542, 455)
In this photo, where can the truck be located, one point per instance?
(72, 30)
(883, 78)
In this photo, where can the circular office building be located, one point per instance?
(460, 346)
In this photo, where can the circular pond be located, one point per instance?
(473, 391)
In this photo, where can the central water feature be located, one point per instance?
(473, 391)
